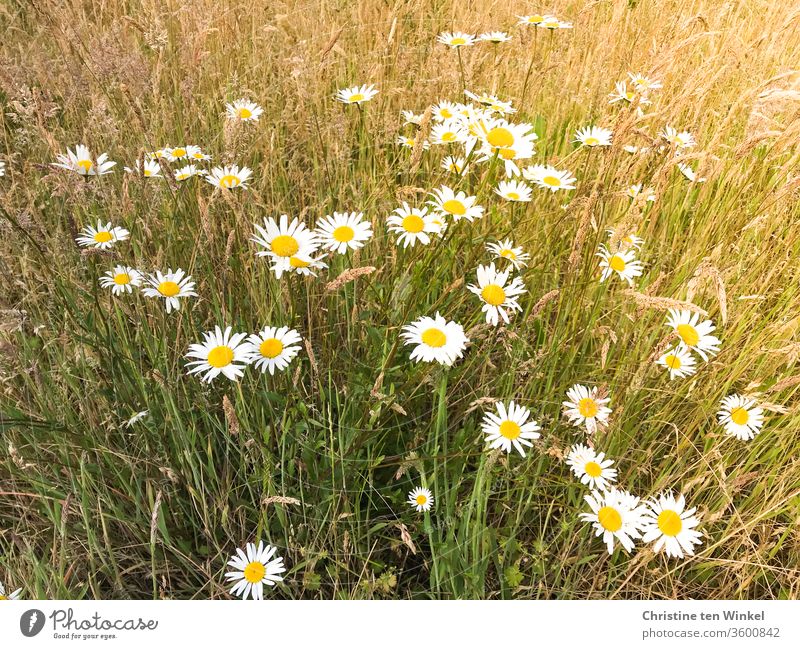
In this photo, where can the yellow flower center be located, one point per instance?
(343, 234)
(688, 334)
(508, 253)
(254, 572)
(3, 598)
(86, 165)
(593, 469)
(122, 278)
(610, 519)
(284, 245)
(629, 95)
(510, 429)
(197, 156)
(103, 237)
(457, 41)
(513, 196)
(422, 499)
(178, 153)
(551, 181)
(500, 137)
(169, 289)
(296, 262)
(445, 112)
(181, 176)
(229, 180)
(670, 523)
(617, 263)
(507, 154)
(147, 173)
(434, 337)
(591, 141)
(739, 416)
(449, 137)
(673, 361)
(356, 97)
(220, 356)
(493, 294)
(535, 19)
(270, 348)
(413, 223)
(454, 207)
(587, 407)
(244, 113)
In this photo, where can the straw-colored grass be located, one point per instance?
(317, 460)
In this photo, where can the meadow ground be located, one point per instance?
(318, 459)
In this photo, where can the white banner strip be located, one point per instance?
(405, 624)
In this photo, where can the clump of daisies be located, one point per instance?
(694, 336)
(499, 296)
(509, 427)
(435, 339)
(288, 245)
(253, 568)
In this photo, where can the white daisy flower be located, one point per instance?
(273, 348)
(740, 416)
(513, 190)
(172, 286)
(451, 131)
(549, 177)
(643, 83)
(456, 39)
(584, 407)
(689, 173)
(498, 297)
(151, 169)
(694, 334)
(420, 499)
(82, 163)
(219, 353)
(229, 177)
(592, 469)
(306, 265)
(679, 361)
(622, 262)
(254, 569)
(593, 136)
(410, 117)
(413, 224)
(188, 171)
(492, 102)
(634, 191)
(102, 237)
(505, 250)
(531, 21)
(616, 514)
(243, 110)
(510, 427)
(623, 93)
(458, 205)
(343, 231)
(436, 339)
(494, 37)
(121, 279)
(444, 110)
(671, 526)
(179, 152)
(551, 22)
(8, 596)
(628, 241)
(136, 418)
(680, 140)
(356, 94)
(410, 142)
(509, 142)
(283, 241)
(159, 154)
(453, 164)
